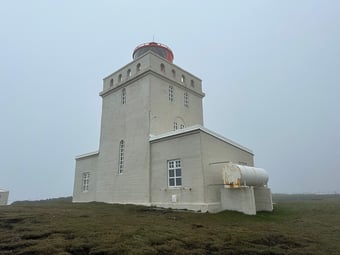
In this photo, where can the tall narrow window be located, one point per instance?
(186, 99)
(138, 67)
(173, 73)
(192, 83)
(174, 173)
(175, 125)
(171, 93)
(128, 73)
(111, 82)
(162, 68)
(86, 180)
(120, 78)
(121, 157)
(123, 96)
(183, 78)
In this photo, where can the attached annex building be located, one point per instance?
(154, 149)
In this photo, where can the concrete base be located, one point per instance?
(4, 197)
(263, 199)
(247, 200)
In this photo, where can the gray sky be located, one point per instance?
(270, 71)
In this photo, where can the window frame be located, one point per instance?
(138, 67)
(175, 165)
(186, 99)
(123, 96)
(171, 93)
(85, 182)
(162, 68)
(121, 157)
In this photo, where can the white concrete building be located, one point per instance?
(4, 197)
(154, 149)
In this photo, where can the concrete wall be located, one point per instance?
(86, 164)
(128, 122)
(187, 149)
(146, 87)
(263, 199)
(215, 153)
(4, 197)
(239, 199)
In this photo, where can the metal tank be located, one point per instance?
(235, 176)
(158, 48)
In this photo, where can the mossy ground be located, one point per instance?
(298, 225)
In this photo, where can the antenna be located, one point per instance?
(153, 37)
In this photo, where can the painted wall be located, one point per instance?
(4, 197)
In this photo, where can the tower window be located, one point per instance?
(120, 78)
(162, 68)
(192, 83)
(111, 83)
(86, 180)
(173, 73)
(186, 99)
(138, 67)
(129, 73)
(123, 96)
(171, 93)
(121, 157)
(183, 78)
(175, 125)
(174, 173)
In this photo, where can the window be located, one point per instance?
(173, 73)
(181, 126)
(175, 125)
(120, 78)
(138, 68)
(128, 73)
(174, 173)
(121, 157)
(111, 82)
(162, 68)
(192, 83)
(186, 99)
(183, 78)
(86, 179)
(171, 93)
(123, 96)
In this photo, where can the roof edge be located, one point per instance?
(203, 129)
(90, 154)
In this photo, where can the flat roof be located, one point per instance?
(187, 130)
(90, 154)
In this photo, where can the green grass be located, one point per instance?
(299, 224)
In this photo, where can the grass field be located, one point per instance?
(300, 224)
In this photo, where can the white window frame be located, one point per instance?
(85, 182)
(171, 93)
(186, 99)
(174, 173)
(121, 157)
(123, 96)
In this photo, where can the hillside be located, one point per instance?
(300, 224)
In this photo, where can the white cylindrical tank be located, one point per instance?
(238, 175)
